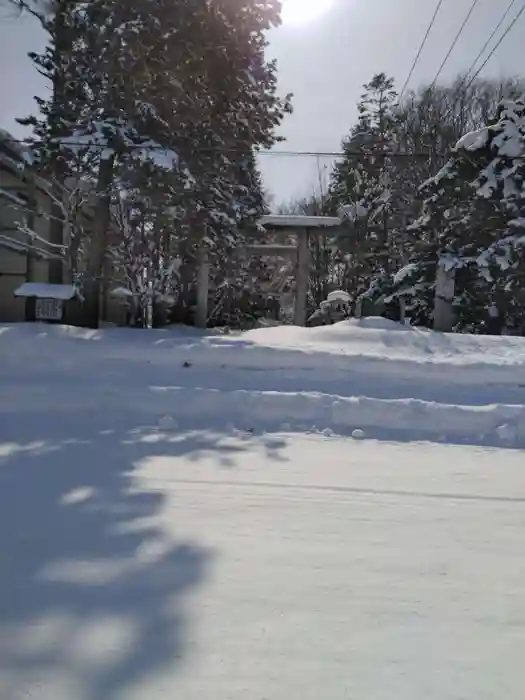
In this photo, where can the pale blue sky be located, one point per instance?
(324, 64)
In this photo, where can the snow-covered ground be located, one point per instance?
(187, 515)
(373, 375)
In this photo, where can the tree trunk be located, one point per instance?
(98, 244)
(203, 275)
(444, 297)
(61, 48)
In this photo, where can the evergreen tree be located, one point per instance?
(502, 182)
(365, 188)
(179, 93)
(468, 209)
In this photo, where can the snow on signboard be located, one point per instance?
(41, 290)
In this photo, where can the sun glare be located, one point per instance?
(303, 11)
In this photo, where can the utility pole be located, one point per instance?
(444, 298)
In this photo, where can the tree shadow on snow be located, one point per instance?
(93, 590)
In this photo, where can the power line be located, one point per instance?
(462, 83)
(275, 153)
(496, 47)
(420, 51)
(456, 39)
(487, 43)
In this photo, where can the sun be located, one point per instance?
(303, 11)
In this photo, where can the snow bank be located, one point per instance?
(374, 375)
(372, 339)
(374, 347)
(399, 418)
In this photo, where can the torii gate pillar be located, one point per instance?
(303, 277)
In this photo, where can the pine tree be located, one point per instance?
(468, 208)
(501, 186)
(180, 94)
(364, 187)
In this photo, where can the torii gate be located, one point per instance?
(303, 227)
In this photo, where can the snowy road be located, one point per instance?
(163, 536)
(266, 567)
(352, 571)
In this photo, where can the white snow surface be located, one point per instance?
(319, 513)
(405, 272)
(121, 293)
(339, 295)
(473, 140)
(42, 290)
(353, 212)
(394, 380)
(294, 221)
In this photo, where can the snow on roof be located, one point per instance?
(295, 222)
(40, 290)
